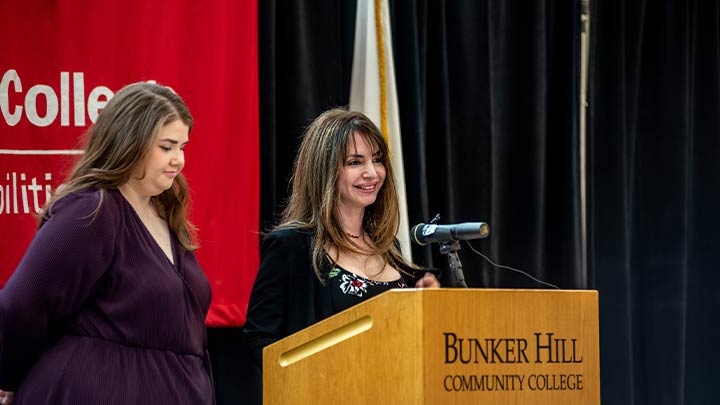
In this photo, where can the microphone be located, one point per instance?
(422, 234)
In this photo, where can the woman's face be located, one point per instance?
(164, 161)
(361, 175)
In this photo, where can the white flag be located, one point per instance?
(373, 92)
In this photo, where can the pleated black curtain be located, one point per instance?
(488, 95)
(654, 177)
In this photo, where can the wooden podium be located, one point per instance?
(444, 346)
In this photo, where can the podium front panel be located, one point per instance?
(444, 346)
(511, 347)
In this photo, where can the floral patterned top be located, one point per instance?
(349, 289)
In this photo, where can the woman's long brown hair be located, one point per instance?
(313, 201)
(120, 140)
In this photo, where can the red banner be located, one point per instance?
(62, 61)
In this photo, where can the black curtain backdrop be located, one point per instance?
(488, 95)
(654, 193)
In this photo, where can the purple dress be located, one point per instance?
(95, 313)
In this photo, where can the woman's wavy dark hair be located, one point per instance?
(314, 197)
(120, 140)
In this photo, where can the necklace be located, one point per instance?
(354, 236)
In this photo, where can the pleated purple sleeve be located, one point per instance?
(69, 253)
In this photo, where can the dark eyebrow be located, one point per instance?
(357, 155)
(172, 141)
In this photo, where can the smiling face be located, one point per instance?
(361, 176)
(164, 161)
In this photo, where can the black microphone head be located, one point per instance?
(471, 230)
(423, 234)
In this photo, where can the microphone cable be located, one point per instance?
(501, 266)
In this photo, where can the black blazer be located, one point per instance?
(287, 295)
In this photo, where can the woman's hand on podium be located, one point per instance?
(428, 281)
(6, 397)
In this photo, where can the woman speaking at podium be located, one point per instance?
(335, 245)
